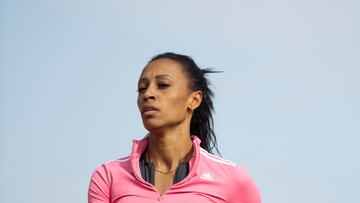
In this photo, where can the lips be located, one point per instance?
(147, 108)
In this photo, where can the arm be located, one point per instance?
(244, 189)
(99, 187)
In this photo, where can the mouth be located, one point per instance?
(149, 109)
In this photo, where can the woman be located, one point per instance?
(174, 162)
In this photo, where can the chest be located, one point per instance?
(163, 182)
(198, 198)
(198, 191)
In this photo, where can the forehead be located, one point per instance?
(163, 67)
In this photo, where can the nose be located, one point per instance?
(149, 93)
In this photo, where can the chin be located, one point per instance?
(151, 126)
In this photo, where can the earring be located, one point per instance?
(189, 110)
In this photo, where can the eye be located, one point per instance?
(141, 89)
(163, 85)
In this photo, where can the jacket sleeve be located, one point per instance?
(244, 189)
(99, 187)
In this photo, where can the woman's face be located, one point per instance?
(164, 94)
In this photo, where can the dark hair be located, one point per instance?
(202, 124)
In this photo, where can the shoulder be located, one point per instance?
(122, 161)
(244, 187)
(216, 160)
(227, 168)
(241, 186)
(103, 177)
(222, 169)
(115, 166)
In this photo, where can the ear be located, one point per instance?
(195, 99)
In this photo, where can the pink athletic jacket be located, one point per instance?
(210, 179)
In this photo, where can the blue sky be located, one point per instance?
(287, 104)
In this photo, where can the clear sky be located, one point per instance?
(287, 104)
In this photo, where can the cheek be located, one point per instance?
(176, 105)
(138, 101)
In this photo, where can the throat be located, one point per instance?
(162, 179)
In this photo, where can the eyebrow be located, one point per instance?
(157, 77)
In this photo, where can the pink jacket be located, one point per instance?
(210, 179)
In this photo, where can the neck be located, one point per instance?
(168, 149)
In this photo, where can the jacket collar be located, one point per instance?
(139, 146)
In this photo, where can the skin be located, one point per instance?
(165, 85)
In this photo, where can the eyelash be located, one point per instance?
(163, 85)
(140, 90)
(160, 86)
